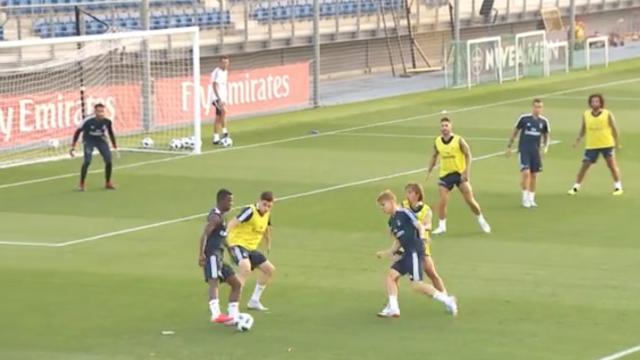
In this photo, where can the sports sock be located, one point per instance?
(393, 303)
(214, 307)
(257, 292)
(108, 169)
(225, 132)
(442, 223)
(83, 173)
(576, 186)
(617, 185)
(216, 137)
(532, 196)
(525, 195)
(233, 309)
(481, 219)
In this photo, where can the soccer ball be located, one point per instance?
(147, 143)
(54, 143)
(175, 144)
(226, 142)
(186, 143)
(245, 322)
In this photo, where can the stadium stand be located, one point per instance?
(328, 8)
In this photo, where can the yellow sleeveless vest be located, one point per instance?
(598, 130)
(451, 156)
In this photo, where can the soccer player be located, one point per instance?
(533, 128)
(599, 128)
(210, 257)
(414, 201)
(246, 232)
(455, 162)
(94, 129)
(219, 101)
(405, 230)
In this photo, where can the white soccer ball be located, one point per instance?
(54, 143)
(226, 142)
(245, 322)
(147, 143)
(175, 144)
(186, 143)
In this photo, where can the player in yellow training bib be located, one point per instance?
(455, 161)
(601, 133)
(415, 202)
(245, 233)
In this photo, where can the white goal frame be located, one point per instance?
(194, 31)
(587, 50)
(545, 62)
(495, 39)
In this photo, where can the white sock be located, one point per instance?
(393, 303)
(233, 309)
(216, 137)
(532, 196)
(525, 195)
(214, 307)
(225, 131)
(576, 185)
(442, 223)
(481, 219)
(257, 292)
(617, 185)
(442, 297)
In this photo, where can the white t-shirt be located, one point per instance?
(219, 76)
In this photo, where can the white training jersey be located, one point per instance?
(219, 76)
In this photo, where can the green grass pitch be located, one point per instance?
(557, 282)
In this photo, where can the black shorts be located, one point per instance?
(450, 180)
(411, 263)
(591, 155)
(218, 105)
(101, 145)
(238, 253)
(215, 268)
(530, 160)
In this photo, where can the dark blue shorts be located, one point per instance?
(215, 268)
(102, 147)
(450, 180)
(238, 253)
(591, 155)
(530, 160)
(411, 263)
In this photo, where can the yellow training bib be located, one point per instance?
(250, 231)
(598, 130)
(421, 212)
(451, 156)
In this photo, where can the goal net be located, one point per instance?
(144, 78)
(474, 62)
(532, 58)
(597, 51)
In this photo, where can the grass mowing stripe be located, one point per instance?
(391, 135)
(621, 354)
(332, 132)
(287, 197)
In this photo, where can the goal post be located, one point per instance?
(599, 40)
(558, 56)
(41, 81)
(531, 55)
(484, 61)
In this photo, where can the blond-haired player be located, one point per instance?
(405, 230)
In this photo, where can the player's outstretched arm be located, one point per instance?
(583, 131)
(76, 136)
(432, 164)
(512, 140)
(614, 130)
(395, 246)
(466, 150)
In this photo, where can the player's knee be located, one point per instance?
(86, 162)
(268, 269)
(108, 163)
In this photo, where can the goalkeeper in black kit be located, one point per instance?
(94, 130)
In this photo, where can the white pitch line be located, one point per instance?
(191, 217)
(621, 354)
(332, 132)
(584, 98)
(391, 135)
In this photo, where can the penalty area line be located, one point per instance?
(202, 215)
